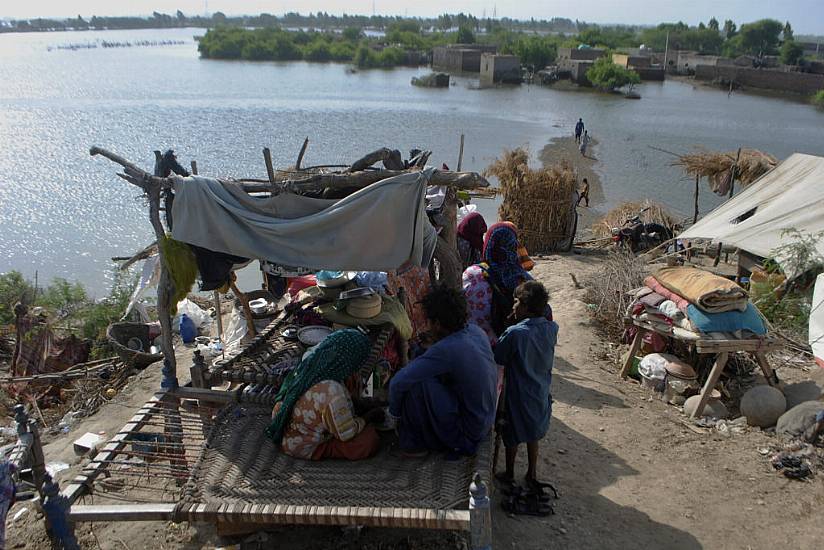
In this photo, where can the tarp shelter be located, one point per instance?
(791, 196)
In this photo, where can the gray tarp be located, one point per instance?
(378, 228)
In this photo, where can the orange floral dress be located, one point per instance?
(324, 412)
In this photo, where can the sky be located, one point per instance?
(806, 16)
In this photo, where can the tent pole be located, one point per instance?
(733, 173)
(695, 216)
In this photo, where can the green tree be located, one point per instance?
(713, 24)
(606, 75)
(791, 52)
(63, 296)
(465, 35)
(730, 29)
(353, 34)
(760, 37)
(787, 32)
(13, 288)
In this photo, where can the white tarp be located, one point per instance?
(791, 196)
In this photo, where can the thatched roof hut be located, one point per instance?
(717, 166)
(541, 202)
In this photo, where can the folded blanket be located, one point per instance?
(749, 320)
(666, 293)
(653, 299)
(706, 290)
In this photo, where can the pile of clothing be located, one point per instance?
(699, 302)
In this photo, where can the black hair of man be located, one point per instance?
(585, 180)
(447, 306)
(534, 296)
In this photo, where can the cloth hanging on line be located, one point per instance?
(377, 228)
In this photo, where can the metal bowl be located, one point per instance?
(290, 332)
(359, 292)
(313, 334)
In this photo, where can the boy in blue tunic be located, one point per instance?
(527, 351)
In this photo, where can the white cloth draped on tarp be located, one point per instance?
(816, 328)
(377, 228)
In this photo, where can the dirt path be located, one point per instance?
(630, 474)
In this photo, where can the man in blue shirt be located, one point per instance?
(445, 399)
(527, 352)
(579, 130)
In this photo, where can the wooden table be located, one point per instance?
(706, 344)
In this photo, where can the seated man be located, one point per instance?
(445, 399)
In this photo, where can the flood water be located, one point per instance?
(64, 213)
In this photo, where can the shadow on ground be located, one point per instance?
(584, 518)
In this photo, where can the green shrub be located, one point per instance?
(818, 99)
(606, 75)
(13, 288)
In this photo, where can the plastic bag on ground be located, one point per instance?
(198, 315)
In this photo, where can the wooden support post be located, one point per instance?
(633, 349)
(706, 391)
(165, 290)
(247, 312)
(270, 170)
(194, 167)
(480, 515)
(198, 365)
(733, 174)
(460, 155)
(302, 152)
(769, 373)
(446, 249)
(695, 215)
(56, 510)
(219, 317)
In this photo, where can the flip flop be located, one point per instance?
(529, 505)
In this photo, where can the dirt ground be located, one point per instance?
(630, 473)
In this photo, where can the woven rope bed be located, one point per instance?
(242, 476)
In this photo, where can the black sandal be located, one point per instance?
(538, 487)
(527, 505)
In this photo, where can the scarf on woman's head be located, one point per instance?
(501, 254)
(337, 357)
(472, 228)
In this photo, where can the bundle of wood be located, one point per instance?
(649, 212)
(716, 167)
(541, 202)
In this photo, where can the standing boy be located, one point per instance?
(527, 351)
(579, 129)
(584, 196)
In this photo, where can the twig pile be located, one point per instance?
(716, 167)
(616, 217)
(609, 291)
(539, 201)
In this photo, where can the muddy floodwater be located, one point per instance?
(63, 213)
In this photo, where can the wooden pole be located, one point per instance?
(165, 290)
(460, 155)
(270, 170)
(695, 216)
(247, 312)
(302, 152)
(194, 167)
(733, 173)
(219, 318)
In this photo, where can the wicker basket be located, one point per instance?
(119, 335)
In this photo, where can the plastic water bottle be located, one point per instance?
(187, 329)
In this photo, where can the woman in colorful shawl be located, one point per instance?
(313, 417)
(471, 238)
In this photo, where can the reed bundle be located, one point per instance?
(540, 201)
(716, 166)
(654, 213)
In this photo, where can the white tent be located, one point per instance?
(791, 196)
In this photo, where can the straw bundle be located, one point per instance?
(715, 166)
(616, 217)
(541, 202)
